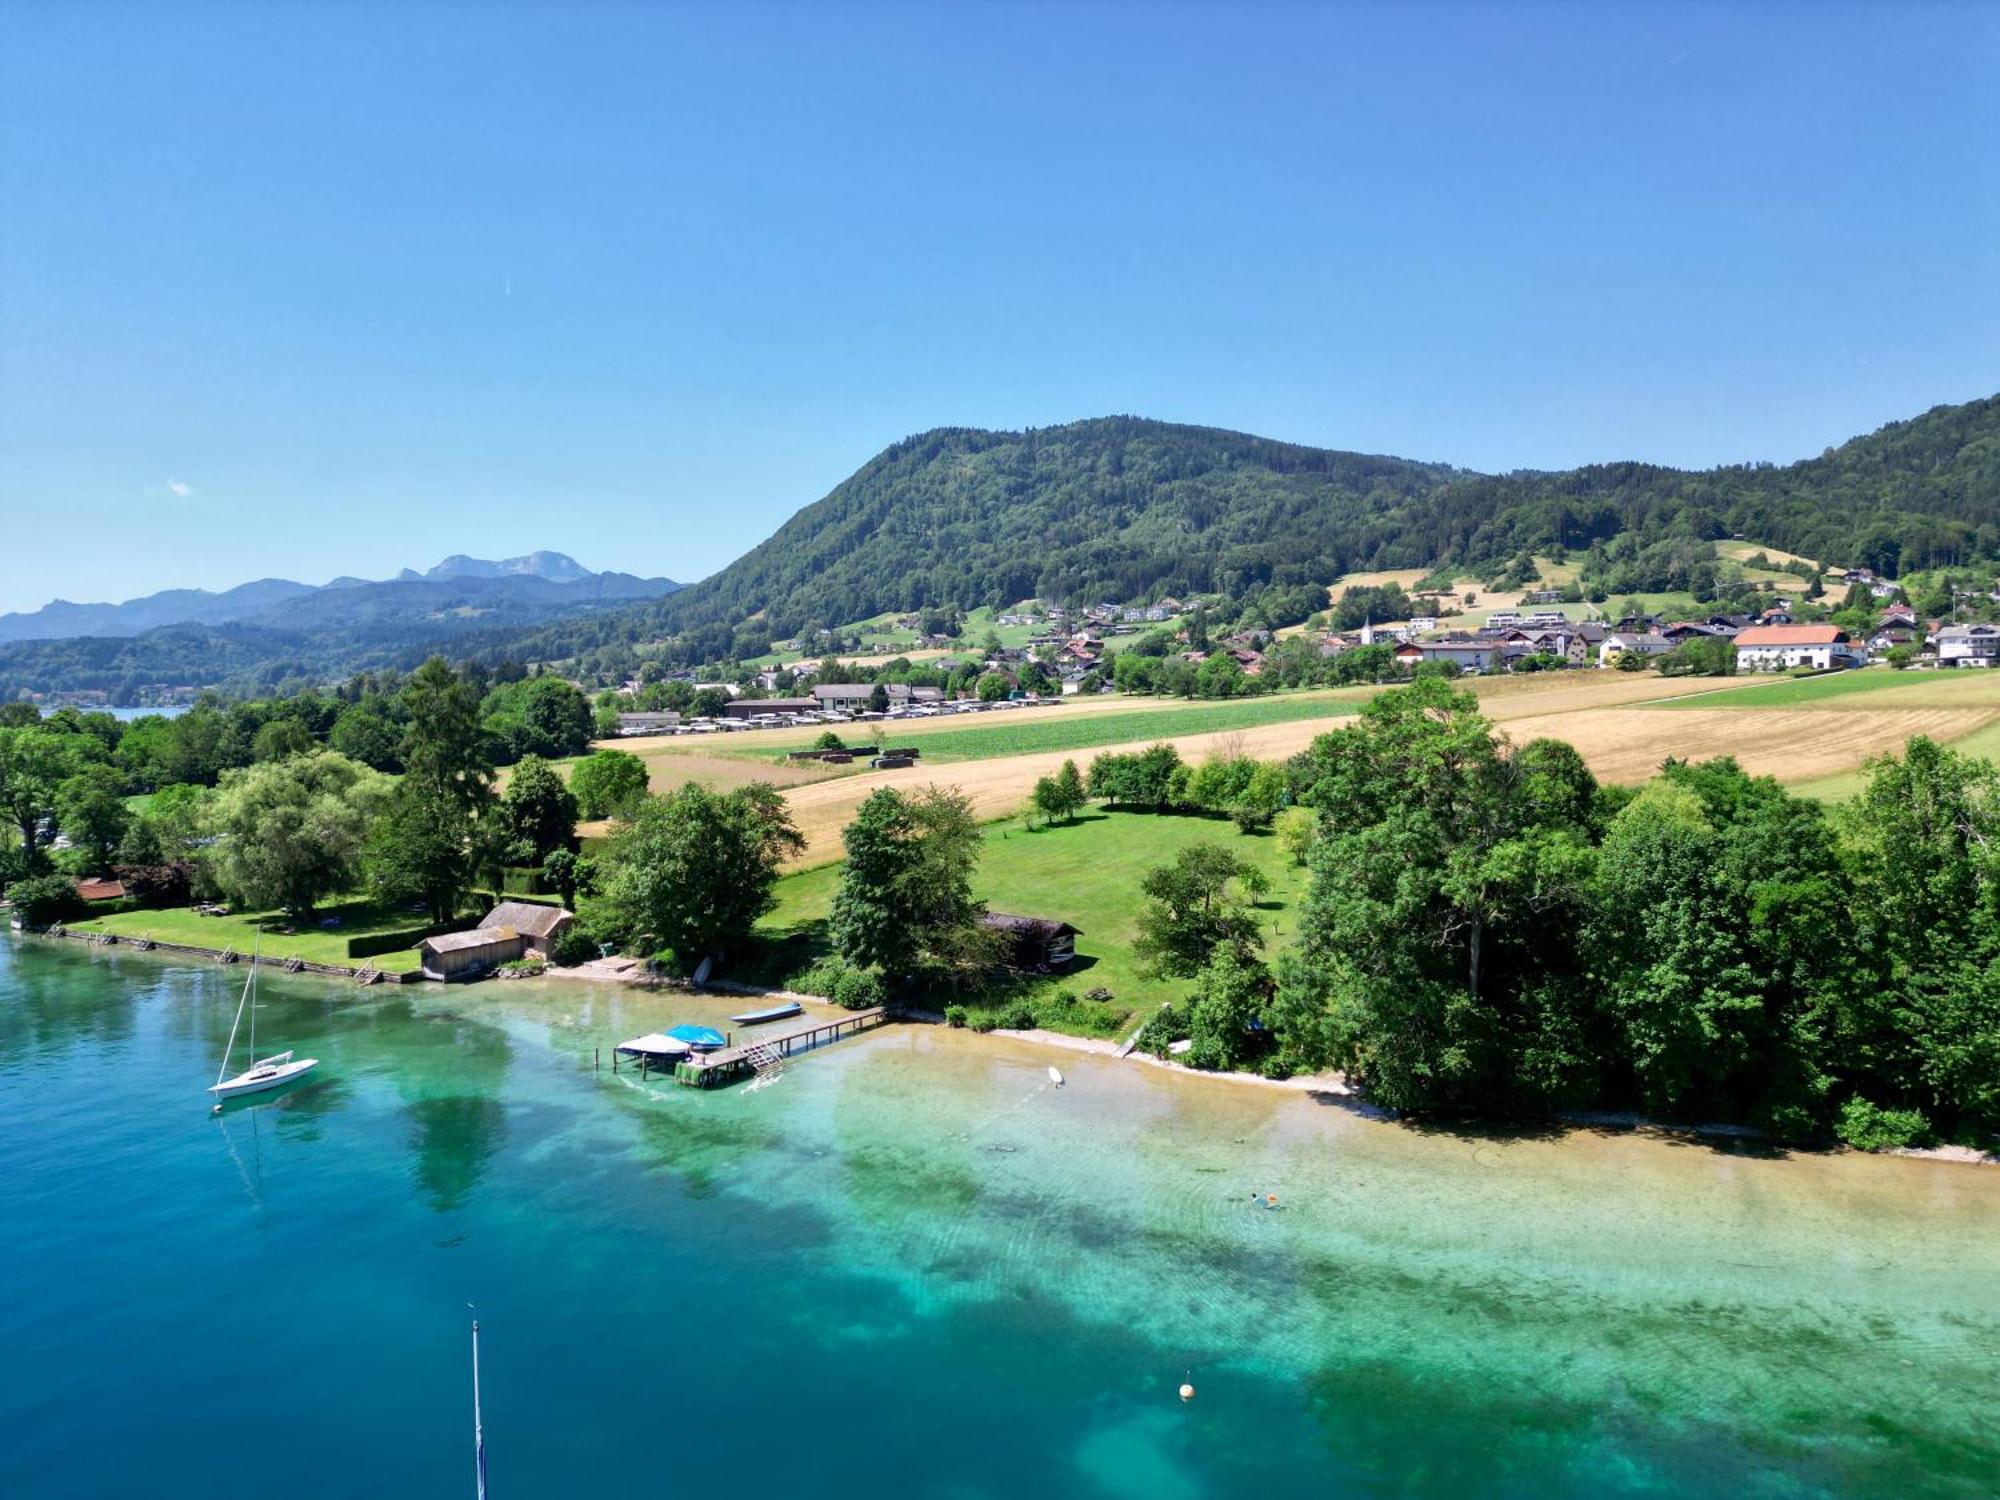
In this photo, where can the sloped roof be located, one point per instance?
(529, 917)
(1044, 928)
(478, 937)
(1791, 635)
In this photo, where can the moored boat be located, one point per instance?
(655, 1045)
(769, 1013)
(267, 1072)
(700, 1038)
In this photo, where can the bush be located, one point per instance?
(373, 943)
(860, 989)
(42, 899)
(828, 740)
(1017, 1015)
(1869, 1127)
(821, 978)
(841, 982)
(1167, 1025)
(572, 946)
(954, 1015)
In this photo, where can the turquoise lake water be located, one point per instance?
(912, 1267)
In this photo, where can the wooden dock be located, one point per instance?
(708, 1069)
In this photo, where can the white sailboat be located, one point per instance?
(266, 1072)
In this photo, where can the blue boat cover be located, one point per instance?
(697, 1036)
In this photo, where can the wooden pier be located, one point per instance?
(708, 1069)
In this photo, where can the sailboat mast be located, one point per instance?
(256, 947)
(478, 1430)
(241, 1001)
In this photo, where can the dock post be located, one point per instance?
(596, 1059)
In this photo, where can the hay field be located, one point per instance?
(999, 786)
(1792, 744)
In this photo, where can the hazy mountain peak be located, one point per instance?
(554, 566)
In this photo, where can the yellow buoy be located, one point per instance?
(1187, 1393)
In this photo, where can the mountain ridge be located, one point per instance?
(62, 619)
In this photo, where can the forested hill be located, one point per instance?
(1917, 494)
(1116, 507)
(1121, 508)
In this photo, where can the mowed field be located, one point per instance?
(1814, 733)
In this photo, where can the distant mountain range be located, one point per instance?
(545, 584)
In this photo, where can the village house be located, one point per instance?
(1468, 656)
(1619, 642)
(1776, 648)
(1968, 645)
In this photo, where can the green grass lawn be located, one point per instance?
(1086, 873)
(1034, 731)
(240, 930)
(1797, 692)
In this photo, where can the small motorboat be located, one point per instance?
(769, 1013)
(267, 1073)
(654, 1044)
(700, 1038)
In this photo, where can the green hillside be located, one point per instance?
(1122, 509)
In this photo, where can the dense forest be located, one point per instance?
(1124, 509)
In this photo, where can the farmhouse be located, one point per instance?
(1037, 943)
(1968, 645)
(1774, 648)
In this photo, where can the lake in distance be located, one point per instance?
(912, 1266)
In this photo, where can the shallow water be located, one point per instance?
(912, 1267)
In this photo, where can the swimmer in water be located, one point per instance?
(1270, 1200)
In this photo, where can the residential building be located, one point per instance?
(1968, 645)
(1619, 642)
(1777, 648)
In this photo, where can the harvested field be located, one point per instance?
(1794, 745)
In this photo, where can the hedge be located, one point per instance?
(370, 944)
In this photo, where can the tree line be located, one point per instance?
(1489, 930)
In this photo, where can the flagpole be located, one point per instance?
(478, 1430)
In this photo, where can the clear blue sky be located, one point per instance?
(305, 290)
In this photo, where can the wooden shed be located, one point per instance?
(537, 924)
(466, 955)
(1038, 943)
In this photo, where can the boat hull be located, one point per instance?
(774, 1013)
(257, 1083)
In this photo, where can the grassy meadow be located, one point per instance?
(244, 930)
(1086, 873)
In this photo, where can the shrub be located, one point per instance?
(828, 740)
(954, 1015)
(1167, 1025)
(572, 946)
(1869, 1127)
(860, 989)
(820, 978)
(42, 899)
(1017, 1015)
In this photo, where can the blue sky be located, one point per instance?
(303, 290)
